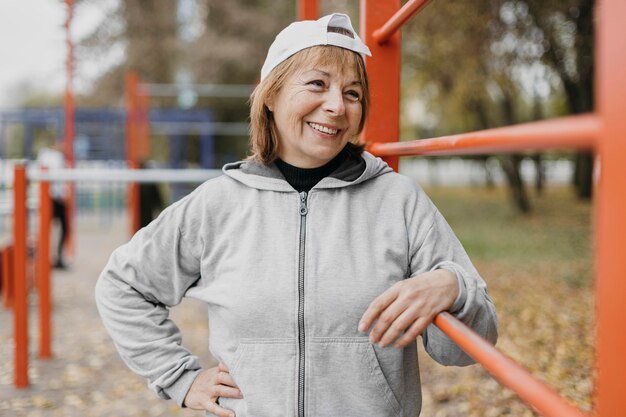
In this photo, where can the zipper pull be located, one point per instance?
(303, 208)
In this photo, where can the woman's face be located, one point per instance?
(316, 112)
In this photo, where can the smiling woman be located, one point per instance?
(318, 109)
(319, 265)
(330, 85)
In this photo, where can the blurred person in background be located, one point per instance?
(52, 157)
(319, 265)
(150, 200)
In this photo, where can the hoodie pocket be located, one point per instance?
(264, 371)
(346, 380)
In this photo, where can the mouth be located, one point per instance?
(323, 129)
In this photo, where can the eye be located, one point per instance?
(317, 83)
(353, 95)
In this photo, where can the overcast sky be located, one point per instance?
(32, 45)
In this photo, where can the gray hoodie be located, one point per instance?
(286, 277)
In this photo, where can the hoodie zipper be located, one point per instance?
(303, 212)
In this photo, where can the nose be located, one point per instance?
(333, 102)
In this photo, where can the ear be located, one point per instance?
(269, 103)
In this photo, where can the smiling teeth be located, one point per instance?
(323, 129)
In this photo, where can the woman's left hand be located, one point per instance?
(409, 306)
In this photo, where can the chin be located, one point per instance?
(324, 156)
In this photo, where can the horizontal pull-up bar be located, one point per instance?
(202, 90)
(125, 175)
(574, 132)
(386, 31)
(530, 389)
(202, 128)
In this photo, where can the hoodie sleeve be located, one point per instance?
(140, 281)
(435, 246)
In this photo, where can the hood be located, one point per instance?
(268, 177)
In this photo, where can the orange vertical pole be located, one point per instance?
(43, 271)
(7, 278)
(132, 130)
(69, 125)
(132, 79)
(611, 210)
(133, 202)
(308, 10)
(383, 69)
(143, 134)
(20, 308)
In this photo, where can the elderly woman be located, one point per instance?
(319, 265)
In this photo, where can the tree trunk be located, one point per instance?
(540, 177)
(583, 175)
(578, 87)
(511, 167)
(511, 163)
(489, 181)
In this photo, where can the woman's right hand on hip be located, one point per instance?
(208, 386)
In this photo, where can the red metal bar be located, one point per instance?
(132, 81)
(578, 132)
(132, 138)
(43, 271)
(133, 203)
(7, 278)
(530, 389)
(20, 308)
(386, 31)
(143, 126)
(610, 213)
(383, 69)
(308, 10)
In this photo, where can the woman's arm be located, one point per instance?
(442, 250)
(140, 281)
(441, 278)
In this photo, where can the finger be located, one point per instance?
(222, 367)
(401, 324)
(376, 307)
(226, 379)
(219, 411)
(225, 391)
(386, 319)
(415, 330)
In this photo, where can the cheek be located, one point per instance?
(288, 119)
(355, 118)
(297, 110)
(302, 102)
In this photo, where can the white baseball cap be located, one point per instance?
(329, 30)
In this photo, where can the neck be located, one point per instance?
(303, 179)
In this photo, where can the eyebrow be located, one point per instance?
(327, 74)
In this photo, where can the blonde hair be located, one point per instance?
(263, 135)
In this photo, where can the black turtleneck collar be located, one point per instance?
(303, 179)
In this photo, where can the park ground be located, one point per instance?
(538, 268)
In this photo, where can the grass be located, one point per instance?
(557, 231)
(538, 268)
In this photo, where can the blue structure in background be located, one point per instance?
(177, 124)
(101, 132)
